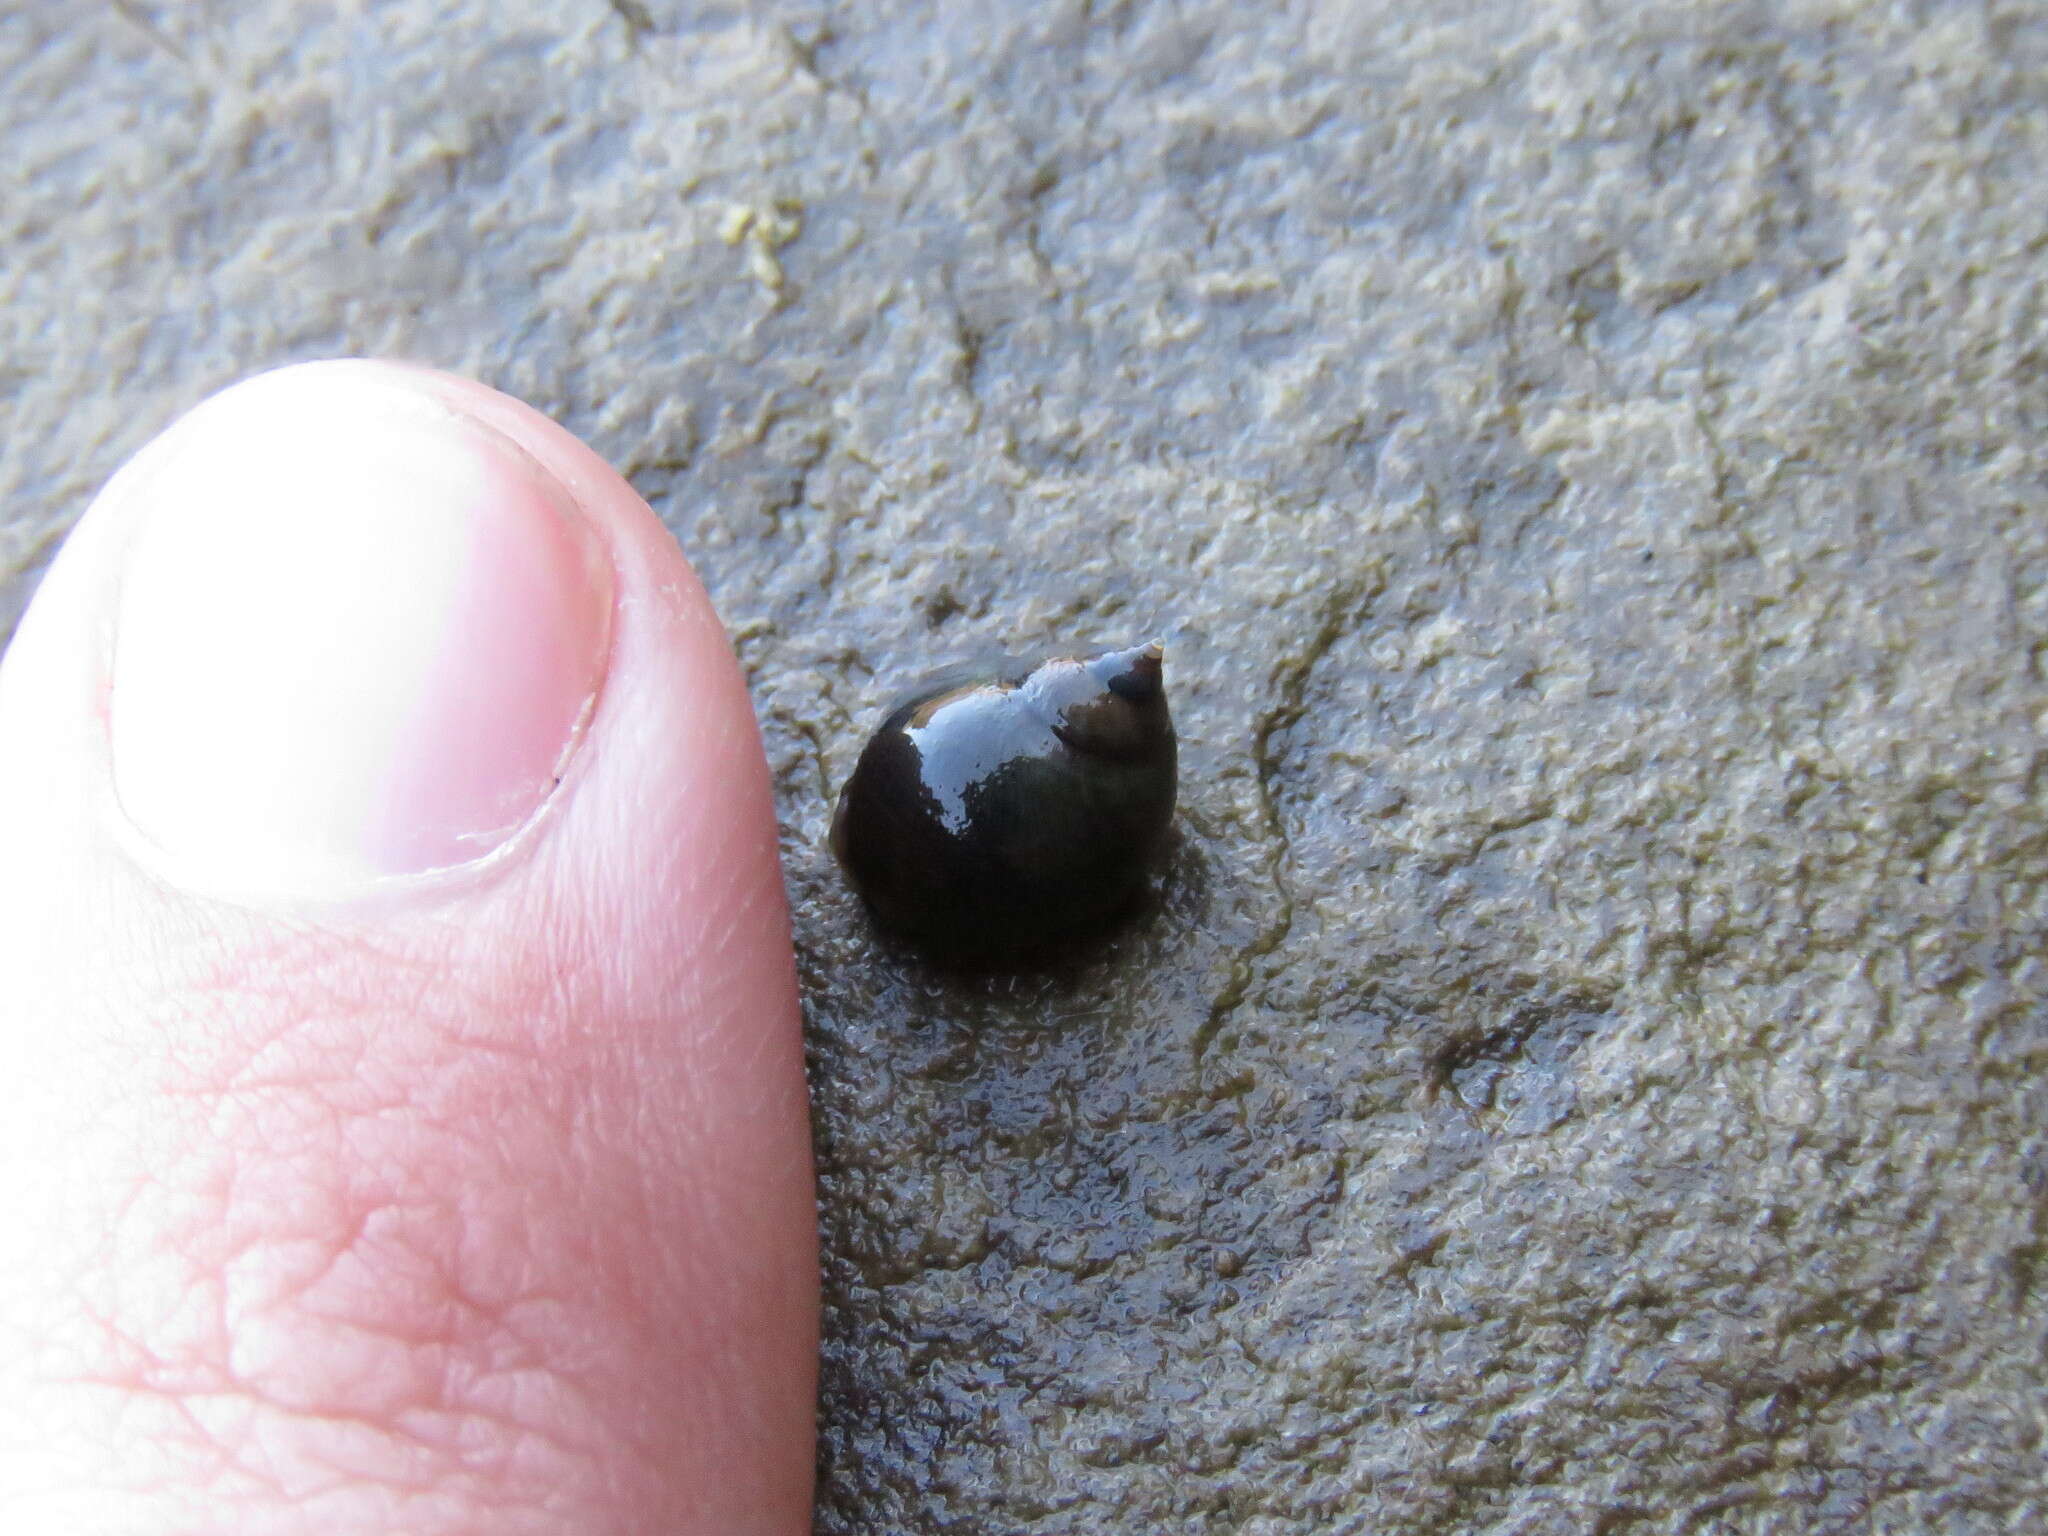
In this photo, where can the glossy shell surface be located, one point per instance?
(1000, 811)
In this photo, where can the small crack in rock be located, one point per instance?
(1339, 614)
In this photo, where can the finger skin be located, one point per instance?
(479, 1203)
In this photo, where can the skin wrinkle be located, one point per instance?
(284, 1116)
(298, 982)
(439, 1388)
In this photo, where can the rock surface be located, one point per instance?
(1584, 1072)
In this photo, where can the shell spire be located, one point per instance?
(1139, 673)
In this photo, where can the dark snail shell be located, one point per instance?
(998, 812)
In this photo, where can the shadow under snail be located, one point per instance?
(999, 811)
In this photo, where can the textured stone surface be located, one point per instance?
(1585, 1071)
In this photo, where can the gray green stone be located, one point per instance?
(1585, 1071)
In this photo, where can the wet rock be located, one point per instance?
(1585, 1067)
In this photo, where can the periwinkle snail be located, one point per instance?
(998, 812)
